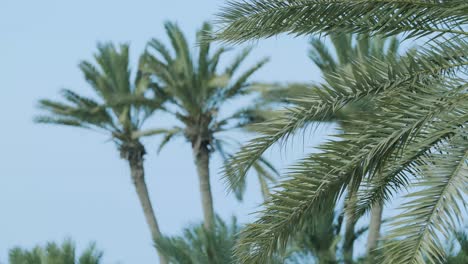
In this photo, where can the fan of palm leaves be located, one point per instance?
(416, 138)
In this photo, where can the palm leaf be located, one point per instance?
(433, 210)
(243, 20)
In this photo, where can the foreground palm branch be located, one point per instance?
(416, 138)
(345, 51)
(244, 20)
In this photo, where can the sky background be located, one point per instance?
(58, 182)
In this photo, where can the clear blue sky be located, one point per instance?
(57, 182)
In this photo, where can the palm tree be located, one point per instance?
(198, 245)
(321, 239)
(112, 114)
(416, 137)
(53, 253)
(196, 91)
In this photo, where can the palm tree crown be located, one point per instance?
(195, 87)
(196, 91)
(111, 114)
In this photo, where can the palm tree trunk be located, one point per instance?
(374, 228)
(138, 178)
(201, 155)
(349, 235)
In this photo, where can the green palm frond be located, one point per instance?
(244, 20)
(318, 181)
(265, 171)
(357, 47)
(234, 66)
(181, 48)
(78, 100)
(121, 107)
(216, 57)
(418, 108)
(60, 121)
(168, 136)
(321, 238)
(370, 78)
(95, 116)
(432, 211)
(204, 50)
(90, 256)
(236, 87)
(321, 56)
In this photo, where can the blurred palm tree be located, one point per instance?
(321, 240)
(460, 256)
(196, 92)
(53, 253)
(197, 245)
(112, 114)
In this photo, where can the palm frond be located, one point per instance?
(61, 113)
(181, 48)
(266, 174)
(122, 105)
(318, 181)
(168, 137)
(433, 210)
(321, 56)
(371, 77)
(162, 50)
(240, 83)
(244, 20)
(232, 68)
(91, 255)
(60, 121)
(204, 50)
(416, 133)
